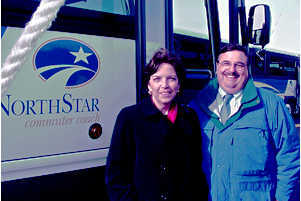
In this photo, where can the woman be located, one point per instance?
(155, 151)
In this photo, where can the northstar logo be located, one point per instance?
(62, 55)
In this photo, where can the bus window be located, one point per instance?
(274, 63)
(90, 19)
(194, 25)
(191, 39)
(121, 7)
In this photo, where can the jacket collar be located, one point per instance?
(250, 98)
(147, 107)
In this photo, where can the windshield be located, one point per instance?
(190, 19)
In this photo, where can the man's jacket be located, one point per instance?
(255, 155)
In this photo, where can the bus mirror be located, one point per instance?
(259, 24)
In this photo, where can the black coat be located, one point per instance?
(151, 159)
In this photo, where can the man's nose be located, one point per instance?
(232, 68)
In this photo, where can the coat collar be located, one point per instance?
(250, 98)
(147, 107)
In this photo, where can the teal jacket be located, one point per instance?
(255, 155)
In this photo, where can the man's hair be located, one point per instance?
(232, 47)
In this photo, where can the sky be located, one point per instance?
(189, 16)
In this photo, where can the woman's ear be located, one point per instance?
(149, 89)
(178, 89)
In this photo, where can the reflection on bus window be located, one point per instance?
(121, 7)
(191, 38)
(196, 24)
(275, 64)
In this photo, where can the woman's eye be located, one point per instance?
(172, 78)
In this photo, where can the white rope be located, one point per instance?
(40, 21)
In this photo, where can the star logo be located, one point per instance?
(81, 56)
(69, 61)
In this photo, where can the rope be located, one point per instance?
(40, 21)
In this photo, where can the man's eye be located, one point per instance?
(226, 64)
(240, 65)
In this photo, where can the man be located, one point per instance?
(250, 143)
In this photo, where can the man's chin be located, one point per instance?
(231, 90)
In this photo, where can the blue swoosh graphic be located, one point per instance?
(61, 54)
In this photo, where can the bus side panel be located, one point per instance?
(69, 85)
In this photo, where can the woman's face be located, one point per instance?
(163, 85)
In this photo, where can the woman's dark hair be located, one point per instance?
(164, 56)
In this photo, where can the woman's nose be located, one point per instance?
(164, 83)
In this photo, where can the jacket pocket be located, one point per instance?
(256, 196)
(251, 147)
(253, 162)
(253, 186)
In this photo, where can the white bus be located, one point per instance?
(58, 113)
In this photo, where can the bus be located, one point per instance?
(58, 111)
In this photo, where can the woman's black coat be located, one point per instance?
(151, 159)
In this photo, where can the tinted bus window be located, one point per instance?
(191, 39)
(73, 17)
(121, 7)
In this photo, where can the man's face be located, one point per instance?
(232, 71)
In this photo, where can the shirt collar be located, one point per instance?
(222, 93)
